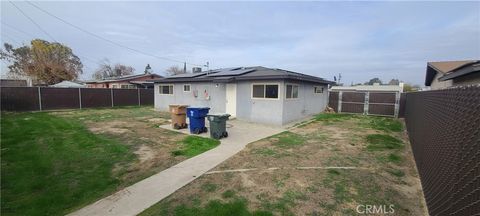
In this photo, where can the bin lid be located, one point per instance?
(198, 107)
(219, 114)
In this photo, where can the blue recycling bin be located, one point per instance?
(197, 115)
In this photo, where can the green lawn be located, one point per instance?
(194, 145)
(52, 164)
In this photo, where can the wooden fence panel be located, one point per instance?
(377, 97)
(353, 97)
(352, 108)
(333, 100)
(147, 97)
(381, 109)
(370, 103)
(125, 97)
(92, 97)
(19, 99)
(29, 98)
(60, 98)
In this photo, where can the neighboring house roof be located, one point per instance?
(13, 83)
(384, 88)
(242, 74)
(68, 84)
(146, 83)
(443, 68)
(124, 78)
(464, 70)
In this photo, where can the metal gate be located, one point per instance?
(367, 103)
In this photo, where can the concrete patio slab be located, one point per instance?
(138, 197)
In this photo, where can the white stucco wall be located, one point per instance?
(215, 100)
(436, 84)
(260, 110)
(266, 111)
(307, 103)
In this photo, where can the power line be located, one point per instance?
(10, 38)
(31, 35)
(19, 30)
(108, 40)
(24, 14)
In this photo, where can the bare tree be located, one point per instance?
(105, 70)
(174, 70)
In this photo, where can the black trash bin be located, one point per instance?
(218, 125)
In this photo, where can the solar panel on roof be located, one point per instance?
(186, 75)
(235, 72)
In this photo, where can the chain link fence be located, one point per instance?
(444, 130)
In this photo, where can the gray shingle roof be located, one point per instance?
(243, 74)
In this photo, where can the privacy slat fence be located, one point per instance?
(368, 103)
(44, 98)
(444, 132)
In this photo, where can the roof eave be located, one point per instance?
(463, 71)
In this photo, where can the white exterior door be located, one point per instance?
(231, 100)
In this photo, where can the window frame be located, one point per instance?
(160, 87)
(127, 86)
(189, 87)
(298, 91)
(265, 91)
(316, 87)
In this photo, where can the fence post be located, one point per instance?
(397, 104)
(340, 93)
(80, 98)
(138, 96)
(111, 95)
(365, 103)
(39, 98)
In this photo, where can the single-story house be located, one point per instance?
(255, 94)
(129, 81)
(376, 87)
(69, 84)
(13, 83)
(452, 73)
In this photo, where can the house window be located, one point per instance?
(186, 88)
(317, 89)
(165, 89)
(265, 91)
(291, 91)
(114, 86)
(127, 86)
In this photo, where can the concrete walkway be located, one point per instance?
(138, 197)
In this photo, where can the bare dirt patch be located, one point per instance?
(145, 153)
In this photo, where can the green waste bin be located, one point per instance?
(218, 125)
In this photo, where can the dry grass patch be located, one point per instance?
(326, 167)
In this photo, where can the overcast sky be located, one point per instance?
(360, 40)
